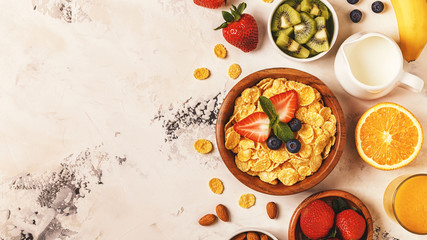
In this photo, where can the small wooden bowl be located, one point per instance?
(254, 182)
(246, 230)
(295, 233)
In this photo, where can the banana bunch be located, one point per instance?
(412, 22)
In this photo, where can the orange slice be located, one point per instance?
(388, 136)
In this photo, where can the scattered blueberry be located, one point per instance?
(377, 6)
(273, 142)
(352, 1)
(356, 15)
(293, 145)
(295, 124)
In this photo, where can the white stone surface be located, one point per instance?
(99, 77)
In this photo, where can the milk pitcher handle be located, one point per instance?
(411, 82)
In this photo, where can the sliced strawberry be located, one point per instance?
(285, 105)
(255, 127)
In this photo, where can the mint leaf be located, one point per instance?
(268, 108)
(283, 131)
(342, 205)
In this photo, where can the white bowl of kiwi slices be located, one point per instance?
(303, 30)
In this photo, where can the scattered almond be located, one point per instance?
(241, 236)
(222, 213)
(271, 210)
(207, 220)
(252, 236)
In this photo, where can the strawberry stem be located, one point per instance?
(234, 16)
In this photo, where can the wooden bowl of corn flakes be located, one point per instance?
(279, 172)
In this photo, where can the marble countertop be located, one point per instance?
(100, 112)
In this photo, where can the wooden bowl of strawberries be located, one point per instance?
(280, 131)
(332, 214)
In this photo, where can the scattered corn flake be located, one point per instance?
(201, 73)
(268, 1)
(247, 200)
(216, 185)
(220, 51)
(234, 71)
(203, 146)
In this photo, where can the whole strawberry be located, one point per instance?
(317, 218)
(350, 224)
(239, 29)
(210, 3)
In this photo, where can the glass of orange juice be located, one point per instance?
(405, 201)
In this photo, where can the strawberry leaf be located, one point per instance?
(332, 233)
(283, 131)
(269, 110)
(222, 26)
(241, 7)
(228, 17)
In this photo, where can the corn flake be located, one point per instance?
(234, 71)
(265, 83)
(314, 119)
(288, 176)
(216, 185)
(306, 131)
(242, 166)
(268, 1)
(330, 127)
(305, 151)
(306, 96)
(203, 146)
(279, 156)
(325, 113)
(220, 51)
(247, 200)
(269, 176)
(246, 144)
(251, 95)
(232, 139)
(315, 163)
(261, 165)
(244, 155)
(201, 73)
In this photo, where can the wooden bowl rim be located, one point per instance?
(331, 193)
(254, 182)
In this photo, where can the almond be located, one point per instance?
(271, 210)
(207, 220)
(264, 237)
(222, 213)
(252, 236)
(241, 236)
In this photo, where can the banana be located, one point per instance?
(412, 22)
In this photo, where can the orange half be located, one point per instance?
(388, 136)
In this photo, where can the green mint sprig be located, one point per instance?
(280, 129)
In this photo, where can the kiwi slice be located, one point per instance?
(315, 8)
(319, 42)
(291, 47)
(320, 22)
(288, 31)
(293, 3)
(324, 11)
(312, 52)
(305, 30)
(285, 17)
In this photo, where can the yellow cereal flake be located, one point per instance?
(252, 173)
(298, 162)
(220, 51)
(234, 71)
(327, 149)
(308, 140)
(244, 110)
(246, 144)
(301, 113)
(238, 102)
(216, 185)
(325, 113)
(330, 127)
(203, 146)
(314, 119)
(306, 131)
(269, 93)
(201, 73)
(315, 163)
(333, 119)
(247, 200)
(261, 165)
(317, 131)
(232, 139)
(262, 153)
(242, 166)
(268, 1)
(304, 171)
(288, 176)
(315, 107)
(251, 95)
(273, 166)
(305, 151)
(265, 83)
(279, 156)
(269, 176)
(306, 96)
(244, 155)
(320, 144)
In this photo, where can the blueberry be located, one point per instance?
(352, 1)
(377, 6)
(273, 142)
(295, 124)
(293, 145)
(356, 15)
